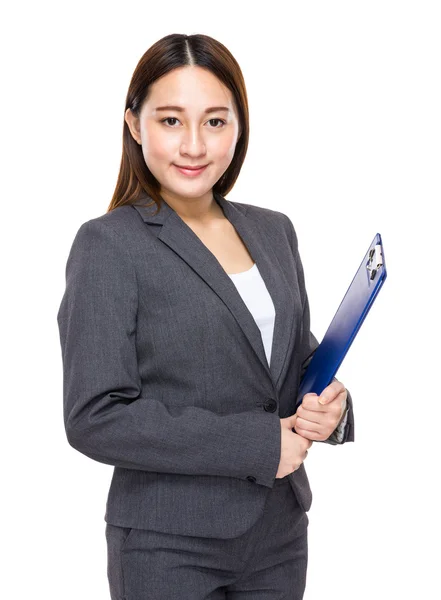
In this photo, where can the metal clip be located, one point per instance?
(375, 261)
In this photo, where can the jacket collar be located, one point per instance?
(181, 238)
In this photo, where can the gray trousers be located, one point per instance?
(267, 562)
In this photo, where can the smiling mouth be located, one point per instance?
(191, 168)
(191, 172)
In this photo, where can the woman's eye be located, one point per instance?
(211, 120)
(220, 120)
(169, 119)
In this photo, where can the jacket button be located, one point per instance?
(270, 406)
(251, 478)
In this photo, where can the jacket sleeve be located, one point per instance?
(344, 432)
(106, 416)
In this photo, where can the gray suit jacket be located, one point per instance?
(164, 370)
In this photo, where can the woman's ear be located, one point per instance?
(133, 124)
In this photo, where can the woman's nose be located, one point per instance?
(193, 139)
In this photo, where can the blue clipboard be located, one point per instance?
(346, 323)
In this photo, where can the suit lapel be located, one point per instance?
(182, 240)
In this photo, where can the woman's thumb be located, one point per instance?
(293, 420)
(289, 422)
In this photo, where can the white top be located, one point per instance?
(254, 293)
(252, 288)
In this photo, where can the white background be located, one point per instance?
(345, 139)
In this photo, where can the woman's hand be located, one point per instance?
(318, 416)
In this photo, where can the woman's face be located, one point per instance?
(189, 136)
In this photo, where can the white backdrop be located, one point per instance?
(345, 104)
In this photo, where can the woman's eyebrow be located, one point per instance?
(180, 109)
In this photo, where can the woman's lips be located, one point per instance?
(191, 172)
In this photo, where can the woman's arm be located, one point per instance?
(105, 415)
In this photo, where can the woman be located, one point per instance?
(184, 330)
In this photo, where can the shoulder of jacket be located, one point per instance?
(275, 217)
(260, 211)
(277, 220)
(115, 220)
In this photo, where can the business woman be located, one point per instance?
(185, 331)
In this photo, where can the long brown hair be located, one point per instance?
(171, 52)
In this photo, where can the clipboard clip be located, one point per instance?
(375, 261)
